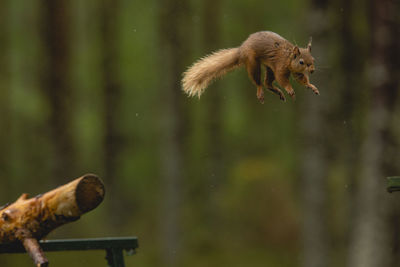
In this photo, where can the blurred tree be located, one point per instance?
(173, 38)
(56, 87)
(213, 175)
(112, 94)
(350, 108)
(314, 159)
(349, 64)
(211, 35)
(5, 110)
(371, 240)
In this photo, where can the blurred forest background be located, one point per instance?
(94, 86)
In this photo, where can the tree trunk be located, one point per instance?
(172, 33)
(112, 96)
(212, 33)
(371, 243)
(314, 189)
(55, 27)
(213, 167)
(348, 109)
(28, 220)
(5, 109)
(314, 165)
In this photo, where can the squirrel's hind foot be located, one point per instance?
(260, 94)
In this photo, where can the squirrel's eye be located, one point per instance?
(301, 62)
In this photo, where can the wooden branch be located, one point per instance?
(31, 246)
(28, 220)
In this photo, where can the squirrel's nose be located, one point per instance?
(311, 71)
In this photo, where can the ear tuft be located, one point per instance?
(296, 51)
(309, 44)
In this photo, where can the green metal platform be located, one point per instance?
(114, 247)
(393, 184)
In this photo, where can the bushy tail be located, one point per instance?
(206, 70)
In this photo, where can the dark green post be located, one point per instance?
(115, 257)
(393, 184)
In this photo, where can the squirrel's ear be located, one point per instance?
(309, 44)
(296, 51)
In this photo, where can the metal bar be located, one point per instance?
(121, 243)
(115, 257)
(393, 184)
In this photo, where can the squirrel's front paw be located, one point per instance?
(292, 95)
(314, 89)
(282, 96)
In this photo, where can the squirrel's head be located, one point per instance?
(302, 60)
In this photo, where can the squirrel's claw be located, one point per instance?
(314, 89)
(292, 95)
(260, 95)
(281, 96)
(261, 99)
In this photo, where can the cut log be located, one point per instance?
(28, 220)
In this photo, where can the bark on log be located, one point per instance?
(28, 220)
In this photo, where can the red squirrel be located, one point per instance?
(278, 55)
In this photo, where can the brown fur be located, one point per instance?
(204, 71)
(269, 49)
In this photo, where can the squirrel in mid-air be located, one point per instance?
(278, 55)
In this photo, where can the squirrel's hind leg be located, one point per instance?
(253, 67)
(269, 78)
